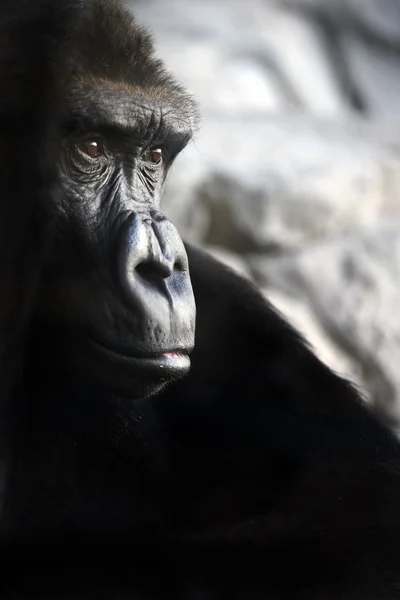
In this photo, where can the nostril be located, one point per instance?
(152, 270)
(179, 265)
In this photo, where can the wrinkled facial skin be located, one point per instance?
(116, 306)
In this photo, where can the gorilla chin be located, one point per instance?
(78, 360)
(132, 376)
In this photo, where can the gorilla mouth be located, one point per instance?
(169, 362)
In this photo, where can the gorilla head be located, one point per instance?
(116, 308)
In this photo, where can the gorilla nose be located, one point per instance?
(154, 251)
(152, 269)
(153, 272)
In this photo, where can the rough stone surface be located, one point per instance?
(353, 285)
(276, 62)
(377, 72)
(231, 260)
(295, 173)
(379, 17)
(301, 315)
(292, 182)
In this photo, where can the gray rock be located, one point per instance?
(231, 260)
(259, 56)
(222, 79)
(300, 314)
(278, 61)
(353, 286)
(281, 183)
(380, 17)
(376, 72)
(268, 171)
(298, 49)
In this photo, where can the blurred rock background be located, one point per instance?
(294, 178)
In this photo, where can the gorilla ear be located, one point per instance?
(31, 37)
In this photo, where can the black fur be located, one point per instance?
(261, 474)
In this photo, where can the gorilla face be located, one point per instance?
(116, 298)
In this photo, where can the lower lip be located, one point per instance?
(174, 362)
(168, 360)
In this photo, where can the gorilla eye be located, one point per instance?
(91, 147)
(153, 155)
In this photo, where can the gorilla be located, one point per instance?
(164, 431)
